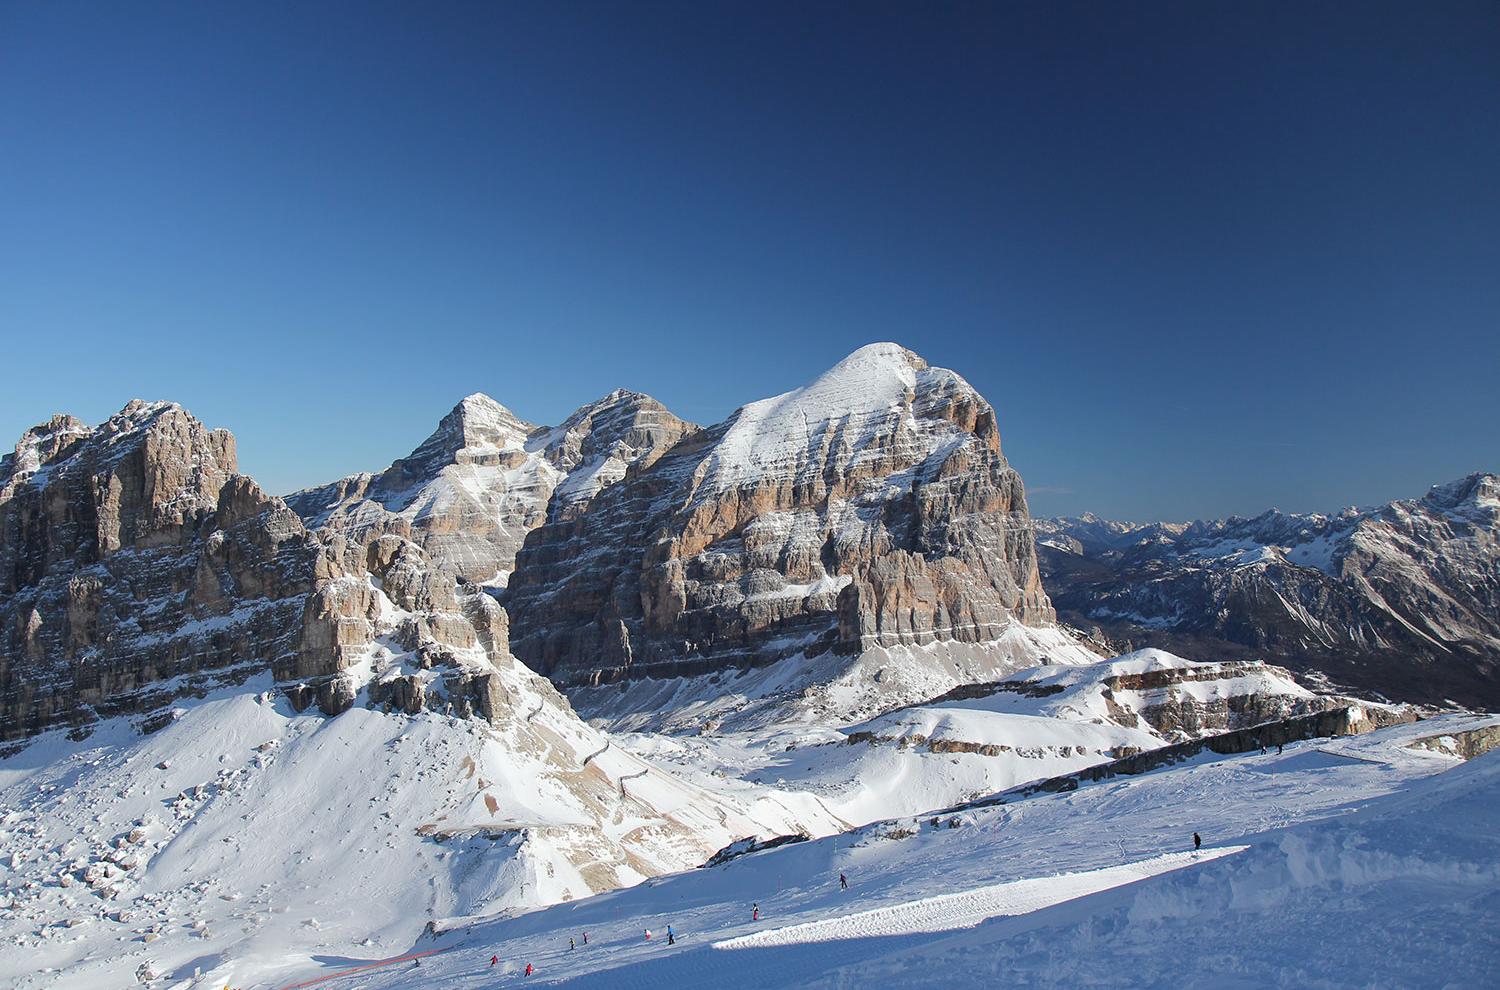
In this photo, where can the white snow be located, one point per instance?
(1348, 863)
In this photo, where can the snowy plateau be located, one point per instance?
(782, 701)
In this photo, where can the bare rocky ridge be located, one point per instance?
(1403, 599)
(872, 507)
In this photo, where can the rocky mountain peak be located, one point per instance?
(870, 507)
(880, 397)
(1479, 491)
(599, 442)
(477, 430)
(42, 444)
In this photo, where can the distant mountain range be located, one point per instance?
(869, 515)
(1403, 599)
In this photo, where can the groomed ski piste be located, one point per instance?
(1355, 862)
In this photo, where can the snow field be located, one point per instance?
(967, 908)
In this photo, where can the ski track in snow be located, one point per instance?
(967, 908)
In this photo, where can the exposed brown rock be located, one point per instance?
(871, 508)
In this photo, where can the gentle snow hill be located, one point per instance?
(1356, 862)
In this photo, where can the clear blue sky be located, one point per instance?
(1204, 258)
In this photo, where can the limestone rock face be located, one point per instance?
(872, 507)
(1403, 599)
(410, 619)
(136, 566)
(473, 490)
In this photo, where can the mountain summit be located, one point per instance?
(869, 508)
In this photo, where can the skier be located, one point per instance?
(585, 938)
(671, 939)
(1197, 842)
(1278, 749)
(493, 961)
(648, 934)
(843, 882)
(528, 969)
(755, 912)
(571, 944)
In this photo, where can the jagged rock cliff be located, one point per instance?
(872, 507)
(473, 490)
(136, 566)
(1403, 599)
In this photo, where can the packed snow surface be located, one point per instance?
(1357, 862)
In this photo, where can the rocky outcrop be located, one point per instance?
(1331, 722)
(1403, 600)
(136, 566)
(1155, 697)
(870, 508)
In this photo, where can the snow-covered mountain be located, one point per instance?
(247, 737)
(470, 494)
(869, 509)
(136, 567)
(1403, 599)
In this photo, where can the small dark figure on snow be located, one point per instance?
(843, 882)
(671, 939)
(755, 912)
(571, 944)
(1197, 842)
(1278, 749)
(528, 969)
(585, 938)
(493, 961)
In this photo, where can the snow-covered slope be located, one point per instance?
(1403, 599)
(1353, 863)
(961, 742)
(246, 832)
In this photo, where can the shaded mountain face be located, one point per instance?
(1403, 599)
(870, 508)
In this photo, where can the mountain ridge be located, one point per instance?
(1402, 598)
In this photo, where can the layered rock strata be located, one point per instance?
(470, 494)
(872, 507)
(136, 565)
